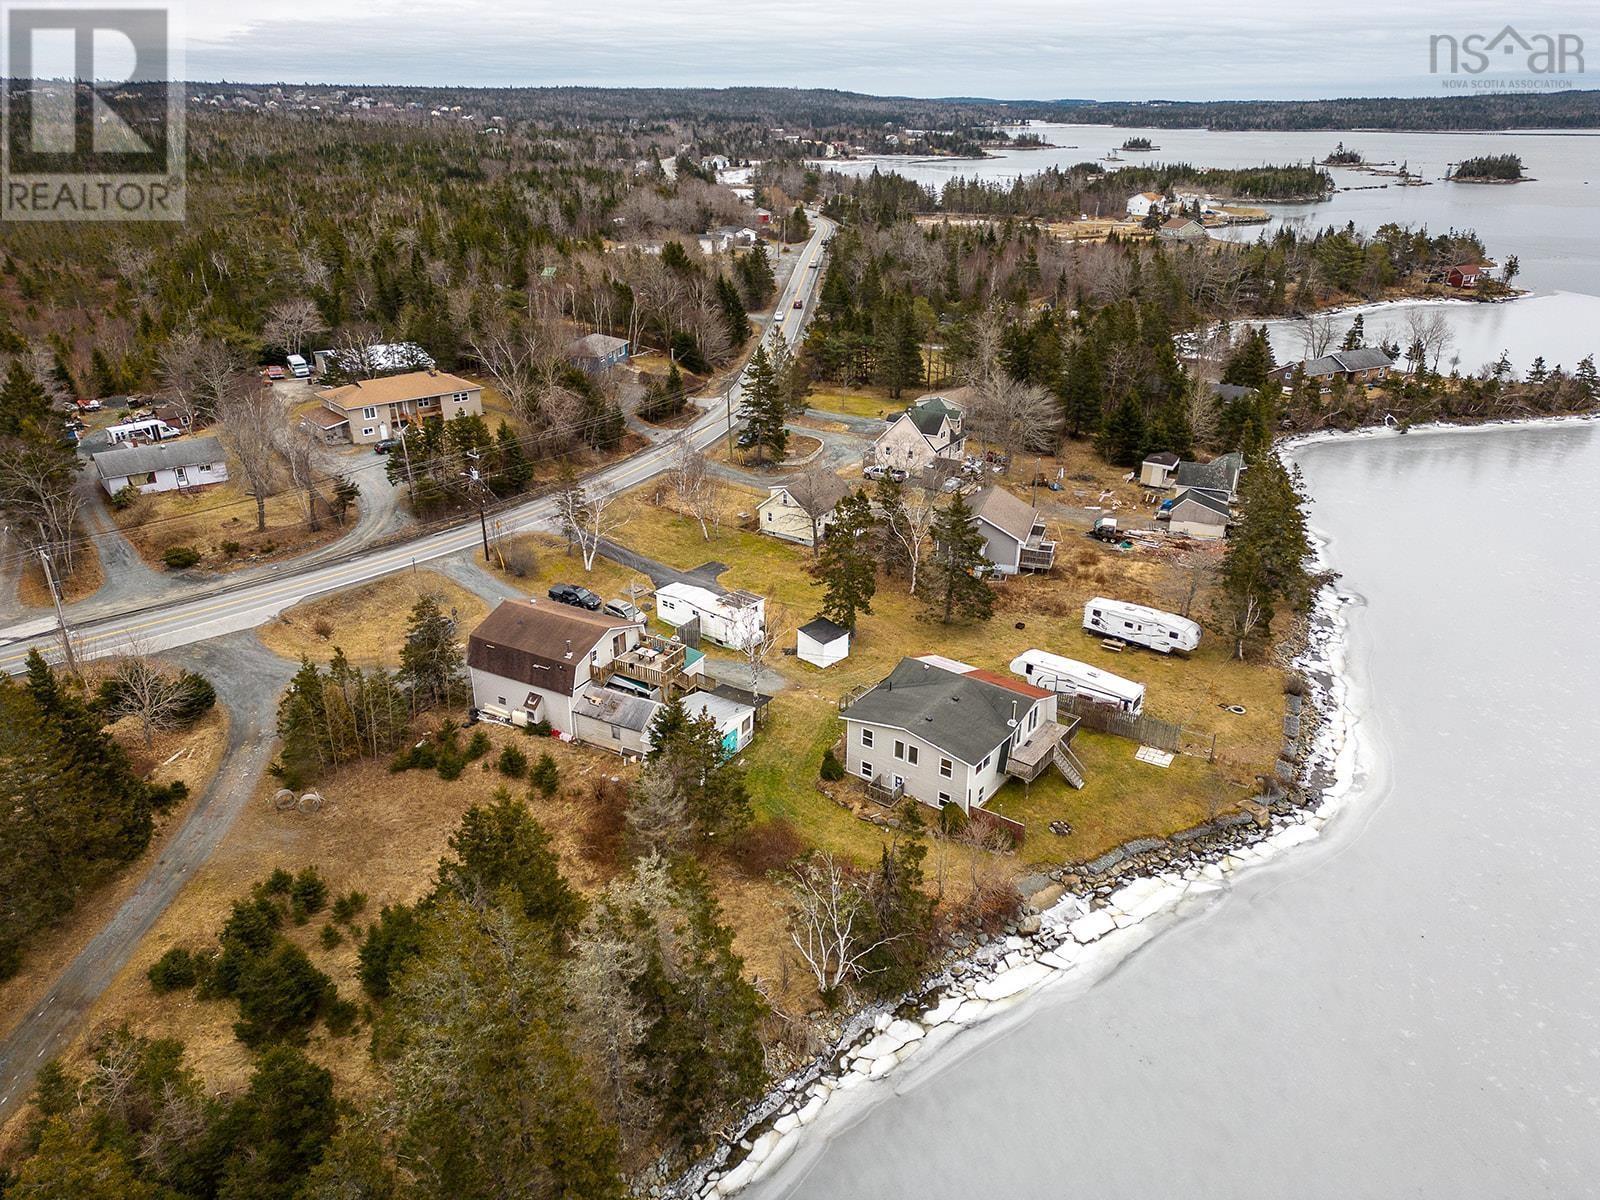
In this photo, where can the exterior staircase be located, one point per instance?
(1067, 763)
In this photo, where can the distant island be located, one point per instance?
(1490, 168)
(1139, 143)
(1342, 156)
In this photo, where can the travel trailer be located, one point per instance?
(1069, 677)
(1160, 631)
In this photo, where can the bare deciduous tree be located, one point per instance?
(1316, 335)
(817, 491)
(698, 491)
(290, 323)
(911, 527)
(251, 422)
(146, 691)
(765, 640)
(828, 920)
(1428, 328)
(587, 518)
(1013, 415)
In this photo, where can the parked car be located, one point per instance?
(88, 406)
(386, 445)
(746, 439)
(623, 609)
(878, 471)
(273, 374)
(578, 597)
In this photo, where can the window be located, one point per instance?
(367, 431)
(984, 765)
(1033, 718)
(866, 770)
(947, 768)
(911, 755)
(980, 795)
(616, 734)
(502, 701)
(866, 737)
(369, 414)
(944, 797)
(899, 749)
(459, 397)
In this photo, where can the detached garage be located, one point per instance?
(822, 643)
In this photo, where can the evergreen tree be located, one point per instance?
(1082, 389)
(958, 589)
(689, 750)
(502, 846)
(761, 406)
(24, 406)
(1122, 434)
(902, 912)
(847, 567)
(1355, 337)
(1265, 560)
(432, 665)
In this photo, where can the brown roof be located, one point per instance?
(1010, 684)
(538, 643)
(323, 419)
(394, 389)
(1005, 512)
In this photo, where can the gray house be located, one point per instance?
(1013, 532)
(1198, 513)
(947, 733)
(1220, 475)
(178, 466)
(598, 352)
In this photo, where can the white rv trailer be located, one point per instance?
(1160, 631)
(1069, 677)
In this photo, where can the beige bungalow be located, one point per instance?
(371, 410)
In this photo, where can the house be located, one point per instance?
(597, 352)
(163, 467)
(945, 733)
(731, 619)
(613, 719)
(788, 509)
(379, 358)
(1228, 392)
(1466, 275)
(822, 643)
(735, 719)
(1198, 513)
(1013, 532)
(1365, 365)
(1181, 229)
(1139, 206)
(529, 661)
(932, 429)
(372, 410)
(1157, 470)
(1219, 476)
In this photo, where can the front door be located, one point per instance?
(183, 476)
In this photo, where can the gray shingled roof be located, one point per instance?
(824, 631)
(1363, 359)
(1006, 512)
(963, 716)
(1204, 498)
(1220, 474)
(159, 456)
(596, 345)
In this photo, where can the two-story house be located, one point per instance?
(944, 733)
(931, 430)
(372, 410)
(801, 509)
(534, 660)
(1014, 538)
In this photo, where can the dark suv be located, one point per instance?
(578, 597)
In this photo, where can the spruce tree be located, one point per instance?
(847, 567)
(761, 406)
(958, 590)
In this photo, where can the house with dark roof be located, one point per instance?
(177, 466)
(1014, 538)
(931, 430)
(529, 661)
(803, 504)
(597, 352)
(1198, 513)
(1220, 476)
(1364, 365)
(944, 732)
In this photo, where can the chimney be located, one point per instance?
(569, 648)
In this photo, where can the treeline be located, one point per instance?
(1502, 167)
(75, 808)
(1514, 110)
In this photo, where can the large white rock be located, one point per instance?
(1212, 871)
(1295, 835)
(941, 1012)
(970, 1011)
(737, 1178)
(1133, 896)
(1017, 979)
(763, 1145)
(780, 1151)
(1096, 924)
(882, 1066)
(1056, 960)
(808, 1111)
(789, 1120)
(895, 1035)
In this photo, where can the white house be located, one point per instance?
(1013, 532)
(933, 428)
(529, 660)
(163, 467)
(789, 508)
(1139, 206)
(735, 719)
(822, 643)
(733, 619)
(947, 733)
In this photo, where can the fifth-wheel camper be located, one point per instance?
(1069, 677)
(1160, 631)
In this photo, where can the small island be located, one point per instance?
(1342, 157)
(1490, 168)
(1139, 143)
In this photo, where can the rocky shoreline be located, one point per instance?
(1116, 891)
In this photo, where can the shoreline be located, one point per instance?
(1108, 911)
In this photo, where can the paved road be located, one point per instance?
(248, 678)
(213, 633)
(243, 604)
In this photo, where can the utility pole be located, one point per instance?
(475, 488)
(61, 617)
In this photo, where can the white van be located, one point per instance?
(1069, 677)
(1160, 631)
(299, 367)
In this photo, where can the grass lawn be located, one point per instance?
(856, 402)
(367, 622)
(33, 590)
(221, 515)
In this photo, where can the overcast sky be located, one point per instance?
(1038, 49)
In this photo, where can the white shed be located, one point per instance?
(733, 619)
(822, 643)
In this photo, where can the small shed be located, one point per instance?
(1157, 470)
(822, 643)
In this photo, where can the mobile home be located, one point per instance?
(1163, 632)
(1069, 677)
(731, 619)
